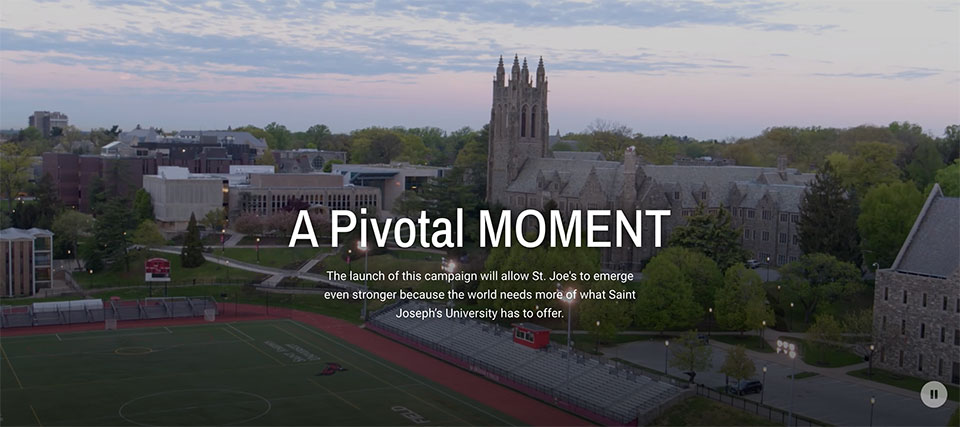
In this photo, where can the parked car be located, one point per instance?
(752, 263)
(703, 339)
(745, 387)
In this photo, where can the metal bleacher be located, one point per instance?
(596, 385)
(92, 311)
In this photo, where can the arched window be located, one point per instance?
(523, 121)
(533, 123)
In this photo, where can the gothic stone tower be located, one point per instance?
(519, 129)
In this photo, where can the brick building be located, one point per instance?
(25, 261)
(916, 303)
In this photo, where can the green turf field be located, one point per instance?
(247, 373)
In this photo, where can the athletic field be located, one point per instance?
(272, 372)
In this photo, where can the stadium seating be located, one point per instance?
(151, 308)
(594, 384)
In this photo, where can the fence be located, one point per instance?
(70, 312)
(776, 415)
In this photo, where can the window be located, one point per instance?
(783, 237)
(766, 236)
(703, 195)
(924, 299)
(767, 214)
(920, 362)
(523, 121)
(904, 296)
(783, 217)
(781, 259)
(795, 218)
(923, 330)
(903, 327)
(533, 123)
(746, 234)
(676, 195)
(958, 305)
(754, 235)
(886, 293)
(956, 337)
(944, 303)
(751, 213)
(943, 334)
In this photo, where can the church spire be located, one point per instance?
(515, 71)
(500, 71)
(525, 73)
(541, 74)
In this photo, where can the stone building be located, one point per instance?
(265, 194)
(916, 302)
(392, 180)
(26, 259)
(306, 160)
(524, 174)
(46, 121)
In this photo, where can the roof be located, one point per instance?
(530, 327)
(21, 234)
(581, 155)
(718, 181)
(571, 175)
(931, 248)
(238, 137)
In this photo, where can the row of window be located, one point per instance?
(923, 330)
(954, 375)
(923, 300)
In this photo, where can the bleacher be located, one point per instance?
(596, 385)
(92, 311)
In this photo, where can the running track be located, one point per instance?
(519, 406)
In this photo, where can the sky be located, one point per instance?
(706, 69)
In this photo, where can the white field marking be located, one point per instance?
(230, 325)
(168, 330)
(58, 337)
(257, 396)
(381, 363)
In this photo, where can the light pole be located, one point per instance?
(870, 362)
(450, 267)
(666, 352)
(258, 250)
(768, 269)
(349, 264)
(569, 302)
(873, 400)
(598, 337)
(763, 384)
(362, 248)
(789, 349)
(709, 321)
(790, 315)
(762, 327)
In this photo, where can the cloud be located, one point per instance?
(911, 74)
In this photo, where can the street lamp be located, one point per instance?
(349, 265)
(569, 302)
(762, 327)
(666, 352)
(709, 321)
(789, 349)
(598, 337)
(258, 250)
(870, 362)
(790, 314)
(873, 400)
(763, 384)
(363, 249)
(768, 269)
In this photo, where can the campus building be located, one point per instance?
(45, 121)
(177, 193)
(524, 174)
(306, 160)
(26, 259)
(916, 306)
(390, 179)
(266, 194)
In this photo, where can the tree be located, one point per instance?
(266, 159)
(824, 334)
(609, 138)
(317, 135)
(872, 163)
(191, 256)
(741, 302)
(29, 133)
(711, 234)
(215, 220)
(665, 299)
(697, 269)
(248, 224)
(282, 137)
(737, 365)
(69, 227)
(887, 213)
(143, 206)
(604, 317)
(949, 179)
(110, 232)
(97, 191)
(691, 355)
(817, 278)
(14, 171)
(925, 164)
(949, 145)
(828, 218)
(472, 160)
(46, 199)
(328, 167)
(148, 234)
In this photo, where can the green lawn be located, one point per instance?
(749, 340)
(245, 373)
(285, 258)
(902, 381)
(207, 273)
(802, 375)
(324, 242)
(825, 356)
(700, 411)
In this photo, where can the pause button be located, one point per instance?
(933, 394)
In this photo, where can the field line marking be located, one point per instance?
(58, 337)
(168, 330)
(368, 357)
(255, 347)
(14, 371)
(35, 416)
(333, 394)
(230, 325)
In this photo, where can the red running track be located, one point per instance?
(517, 405)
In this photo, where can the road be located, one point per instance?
(828, 397)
